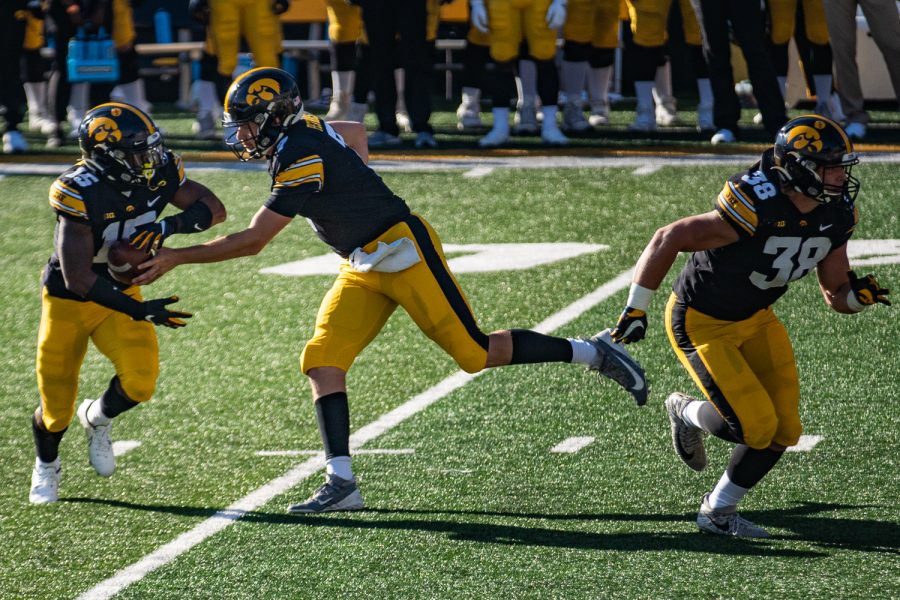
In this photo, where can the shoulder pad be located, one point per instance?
(66, 197)
(312, 121)
(738, 206)
(306, 170)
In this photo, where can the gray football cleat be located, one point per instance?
(726, 522)
(100, 450)
(687, 439)
(336, 494)
(613, 361)
(45, 482)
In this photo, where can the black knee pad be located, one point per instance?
(576, 51)
(601, 57)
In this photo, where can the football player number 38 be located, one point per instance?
(794, 258)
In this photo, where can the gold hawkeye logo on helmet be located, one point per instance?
(104, 129)
(264, 90)
(804, 136)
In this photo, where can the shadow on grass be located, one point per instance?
(801, 521)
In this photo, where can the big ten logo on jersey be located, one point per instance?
(762, 187)
(312, 121)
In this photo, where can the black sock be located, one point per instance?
(333, 414)
(712, 422)
(532, 347)
(114, 402)
(748, 465)
(46, 443)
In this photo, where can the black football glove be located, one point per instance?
(150, 237)
(199, 10)
(867, 290)
(631, 327)
(279, 7)
(156, 312)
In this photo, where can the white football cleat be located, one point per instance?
(100, 451)
(357, 112)
(338, 108)
(727, 522)
(666, 115)
(468, 114)
(723, 136)
(599, 114)
(14, 143)
(45, 482)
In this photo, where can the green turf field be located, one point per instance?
(478, 506)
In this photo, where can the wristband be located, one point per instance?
(195, 218)
(855, 305)
(104, 293)
(639, 297)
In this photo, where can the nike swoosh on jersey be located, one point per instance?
(150, 203)
(824, 227)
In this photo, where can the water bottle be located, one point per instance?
(162, 22)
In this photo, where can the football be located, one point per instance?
(122, 261)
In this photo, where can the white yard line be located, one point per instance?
(263, 495)
(313, 452)
(806, 443)
(648, 169)
(572, 445)
(123, 446)
(478, 172)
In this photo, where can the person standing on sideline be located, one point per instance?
(392, 257)
(789, 213)
(116, 191)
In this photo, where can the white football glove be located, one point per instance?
(556, 14)
(478, 15)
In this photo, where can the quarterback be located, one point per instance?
(392, 257)
(125, 179)
(790, 213)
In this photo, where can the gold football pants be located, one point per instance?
(253, 19)
(66, 327)
(783, 18)
(594, 21)
(511, 21)
(745, 368)
(358, 305)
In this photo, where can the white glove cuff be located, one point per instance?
(639, 297)
(853, 304)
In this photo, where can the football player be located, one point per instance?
(790, 213)
(782, 21)
(125, 179)
(392, 257)
(509, 22)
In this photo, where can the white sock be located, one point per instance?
(501, 119)
(598, 84)
(95, 414)
(340, 466)
(573, 79)
(549, 113)
(583, 352)
(527, 80)
(704, 89)
(726, 494)
(823, 87)
(691, 413)
(342, 82)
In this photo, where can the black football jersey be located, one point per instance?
(112, 212)
(317, 176)
(778, 244)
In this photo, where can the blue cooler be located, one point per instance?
(92, 58)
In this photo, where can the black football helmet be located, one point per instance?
(808, 142)
(266, 96)
(122, 143)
